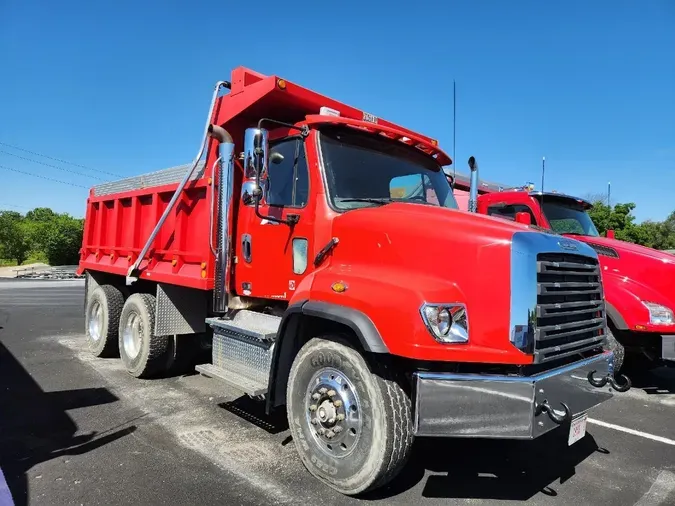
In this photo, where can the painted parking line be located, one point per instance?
(5, 495)
(634, 432)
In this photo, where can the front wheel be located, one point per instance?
(352, 427)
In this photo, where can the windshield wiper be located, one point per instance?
(381, 201)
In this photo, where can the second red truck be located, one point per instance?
(639, 282)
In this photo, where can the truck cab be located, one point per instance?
(307, 245)
(639, 282)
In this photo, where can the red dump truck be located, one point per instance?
(639, 282)
(299, 248)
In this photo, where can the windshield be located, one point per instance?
(365, 170)
(569, 217)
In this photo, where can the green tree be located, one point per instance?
(618, 218)
(653, 234)
(63, 239)
(15, 241)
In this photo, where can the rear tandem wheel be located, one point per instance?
(102, 317)
(143, 353)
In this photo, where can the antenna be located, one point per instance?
(543, 170)
(541, 203)
(454, 131)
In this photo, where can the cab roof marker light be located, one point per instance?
(327, 111)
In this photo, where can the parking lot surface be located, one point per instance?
(79, 430)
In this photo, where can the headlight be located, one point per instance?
(447, 323)
(658, 314)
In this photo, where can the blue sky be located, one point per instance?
(124, 86)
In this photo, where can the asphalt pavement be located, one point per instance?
(76, 430)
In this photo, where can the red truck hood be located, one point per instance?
(646, 266)
(430, 222)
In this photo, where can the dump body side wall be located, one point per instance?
(117, 226)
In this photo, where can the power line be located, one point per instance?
(50, 165)
(58, 159)
(14, 206)
(42, 177)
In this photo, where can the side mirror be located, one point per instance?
(256, 153)
(610, 234)
(524, 218)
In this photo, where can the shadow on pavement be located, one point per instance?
(491, 469)
(654, 381)
(34, 425)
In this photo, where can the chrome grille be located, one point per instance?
(570, 311)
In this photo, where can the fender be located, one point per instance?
(614, 315)
(361, 324)
(622, 300)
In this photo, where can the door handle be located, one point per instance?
(246, 247)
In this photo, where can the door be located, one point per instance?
(273, 257)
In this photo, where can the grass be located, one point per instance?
(33, 258)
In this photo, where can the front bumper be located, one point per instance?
(508, 407)
(668, 347)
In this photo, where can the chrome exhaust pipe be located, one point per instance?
(473, 191)
(224, 230)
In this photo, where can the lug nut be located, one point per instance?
(316, 397)
(313, 407)
(322, 431)
(314, 421)
(337, 429)
(330, 434)
(331, 393)
(323, 390)
(331, 420)
(340, 417)
(337, 403)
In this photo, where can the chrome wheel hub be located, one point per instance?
(333, 412)
(95, 321)
(131, 336)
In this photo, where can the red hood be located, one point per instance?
(646, 266)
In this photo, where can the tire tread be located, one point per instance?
(114, 302)
(155, 361)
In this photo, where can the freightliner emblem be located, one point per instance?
(568, 245)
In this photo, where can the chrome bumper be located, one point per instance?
(509, 407)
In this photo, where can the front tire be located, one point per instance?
(143, 354)
(352, 427)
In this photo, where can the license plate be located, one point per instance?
(577, 429)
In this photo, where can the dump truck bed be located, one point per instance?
(121, 214)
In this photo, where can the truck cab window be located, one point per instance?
(417, 187)
(365, 170)
(288, 176)
(568, 217)
(509, 212)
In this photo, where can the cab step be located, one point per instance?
(242, 350)
(249, 387)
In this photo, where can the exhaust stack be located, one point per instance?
(473, 191)
(224, 220)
